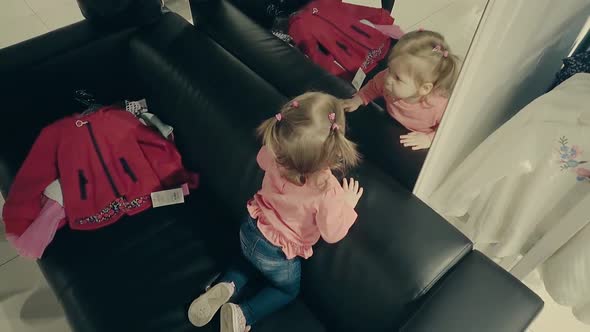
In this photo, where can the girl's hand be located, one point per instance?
(416, 140)
(352, 191)
(351, 105)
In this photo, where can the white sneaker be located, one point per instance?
(232, 319)
(205, 306)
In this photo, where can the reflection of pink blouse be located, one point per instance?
(422, 117)
(294, 217)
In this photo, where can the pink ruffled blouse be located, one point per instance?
(422, 117)
(294, 217)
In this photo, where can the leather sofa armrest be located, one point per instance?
(476, 296)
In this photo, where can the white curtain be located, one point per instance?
(522, 179)
(567, 275)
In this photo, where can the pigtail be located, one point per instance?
(342, 152)
(268, 133)
(346, 150)
(448, 71)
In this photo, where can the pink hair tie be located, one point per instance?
(295, 104)
(420, 29)
(335, 126)
(279, 116)
(332, 116)
(439, 49)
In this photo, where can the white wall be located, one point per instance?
(513, 59)
(456, 20)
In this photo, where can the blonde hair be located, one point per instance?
(305, 138)
(443, 67)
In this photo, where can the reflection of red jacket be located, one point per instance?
(328, 30)
(108, 163)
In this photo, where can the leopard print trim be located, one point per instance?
(117, 207)
(372, 56)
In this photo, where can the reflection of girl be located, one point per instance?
(416, 85)
(299, 202)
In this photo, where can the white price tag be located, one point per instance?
(365, 3)
(358, 79)
(167, 197)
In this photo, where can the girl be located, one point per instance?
(416, 85)
(299, 202)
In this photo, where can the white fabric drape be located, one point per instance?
(566, 275)
(517, 184)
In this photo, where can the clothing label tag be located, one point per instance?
(167, 197)
(364, 3)
(358, 79)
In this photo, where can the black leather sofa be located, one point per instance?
(401, 268)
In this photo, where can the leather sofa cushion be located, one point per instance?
(481, 290)
(394, 254)
(142, 273)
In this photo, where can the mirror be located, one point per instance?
(456, 21)
(416, 109)
(404, 55)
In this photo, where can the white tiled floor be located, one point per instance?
(24, 19)
(18, 22)
(63, 13)
(27, 304)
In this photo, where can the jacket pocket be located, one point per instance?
(82, 182)
(128, 169)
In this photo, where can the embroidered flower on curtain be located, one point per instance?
(569, 159)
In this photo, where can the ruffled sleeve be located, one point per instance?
(334, 216)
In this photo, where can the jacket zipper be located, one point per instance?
(102, 162)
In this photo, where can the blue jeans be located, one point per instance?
(283, 275)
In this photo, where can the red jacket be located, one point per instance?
(108, 163)
(329, 30)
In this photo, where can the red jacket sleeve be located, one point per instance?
(373, 89)
(334, 216)
(23, 203)
(163, 157)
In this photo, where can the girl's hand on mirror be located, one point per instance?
(416, 140)
(352, 191)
